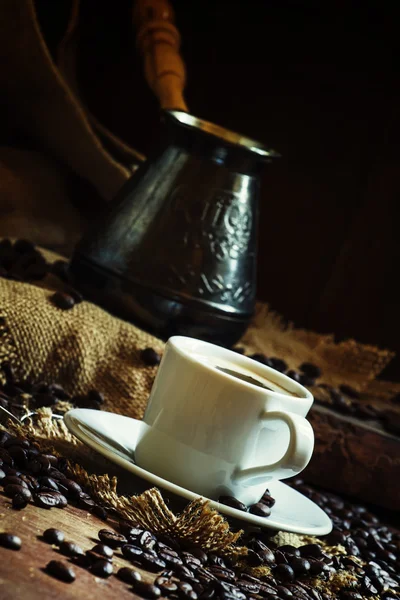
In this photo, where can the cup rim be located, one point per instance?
(293, 387)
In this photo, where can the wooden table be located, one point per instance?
(22, 575)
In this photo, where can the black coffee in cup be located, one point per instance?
(244, 377)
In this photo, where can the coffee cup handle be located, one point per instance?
(296, 457)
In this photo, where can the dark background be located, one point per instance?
(315, 81)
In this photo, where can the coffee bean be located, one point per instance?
(147, 541)
(100, 512)
(260, 509)
(128, 575)
(288, 549)
(294, 375)
(49, 483)
(268, 499)
(284, 593)
(222, 573)
(349, 391)
(150, 357)
(53, 536)
(62, 300)
(2, 476)
(316, 566)
(228, 591)
(19, 502)
(112, 538)
(70, 549)
(284, 572)
(367, 587)
(86, 502)
(103, 550)
(10, 541)
(43, 400)
(248, 587)
(73, 488)
(169, 541)
(19, 455)
(61, 571)
(102, 568)
(185, 590)
(310, 370)
(131, 552)
(300, 566)
(146, 590)
(13, 480)
(152, 563)
(172, 561)
(166, 585)
(278, 363)
(12, 490)
(233, 502)
(313, 550)
(46, 499)
(16, 441)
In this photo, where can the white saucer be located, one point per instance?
(115, 437)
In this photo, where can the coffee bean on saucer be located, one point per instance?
(150, 357)
(102, 568)
(268, 499)
(146, 590)
(70, 549)
(311, 370)
(10, 541)
(53, 536)
(260, 509)
(61, 571)
(112, 538)
(129, 575)
(232, 502)
(63, 300)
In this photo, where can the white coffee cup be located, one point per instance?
(215, 434)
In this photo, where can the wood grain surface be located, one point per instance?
(354, 458)
(22, 574)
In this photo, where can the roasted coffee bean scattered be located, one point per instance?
(70, 549)
(150, 357)
(10, 541)
(112, 538)
(63, 300)
(61, 570)
(19, 502)
(53, 536)
(129, 575)
(103, 550)
(102, 568)
(146, 590)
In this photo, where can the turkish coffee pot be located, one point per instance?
(177, 251)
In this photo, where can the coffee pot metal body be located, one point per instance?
(177, 251)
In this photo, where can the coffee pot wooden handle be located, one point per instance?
(158, 41)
